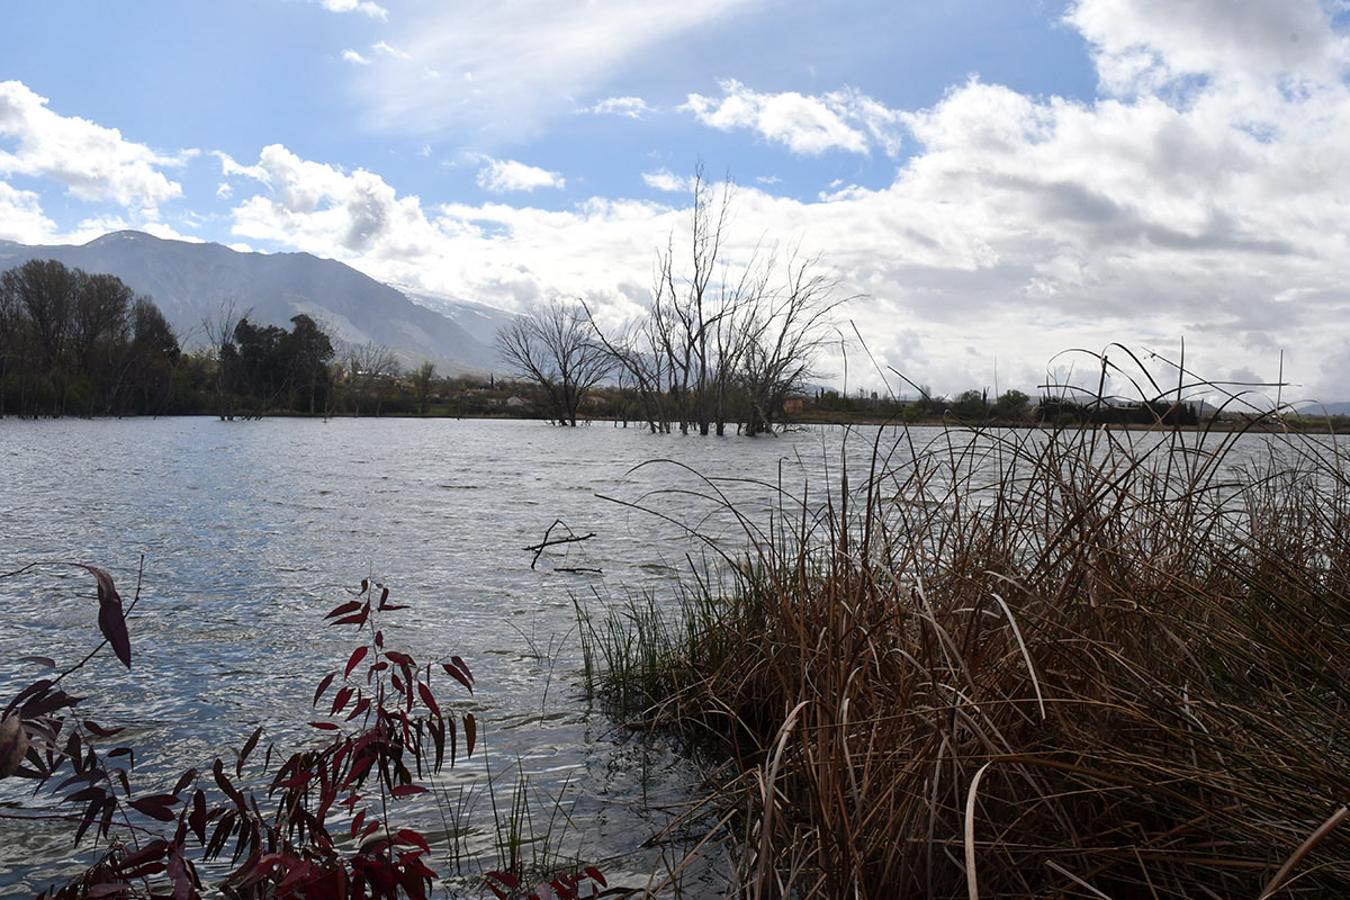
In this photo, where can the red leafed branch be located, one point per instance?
(320, 821)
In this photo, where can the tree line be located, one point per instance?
(75, 343)
(81, 344)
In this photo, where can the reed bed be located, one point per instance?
(1071, 663)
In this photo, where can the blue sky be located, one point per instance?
(994, 179)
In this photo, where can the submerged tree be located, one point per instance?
(555, 349)
(723, 341)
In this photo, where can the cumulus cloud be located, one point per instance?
(355, 58)
(1144, 44)
(93, 162)
(309, 205)
(503, 175)
(21, 216)
(529, 60)
(364, 7)
(666, 180)
(632, 107)
(845, 120)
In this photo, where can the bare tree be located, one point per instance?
(722, 341)
(783, 334)
(370, 370)
(219, 328)
(554, 348)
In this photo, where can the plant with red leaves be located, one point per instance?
(384, 730)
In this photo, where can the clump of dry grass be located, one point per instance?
(1068, 663)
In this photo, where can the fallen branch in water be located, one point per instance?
(572, 538)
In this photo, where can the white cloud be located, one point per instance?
(844, 120)
(529, 60)
(502, 175)
(230, 168)
(21, 217)
(355, 58)
(364, 7)
(1144, 44)
(665, 180)
(312, 205)
(389, 50)
(767, 180)
(224, 191)
(94, 163)
(1018, 226)
(632, 107)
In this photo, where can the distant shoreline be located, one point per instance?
(1304, 425)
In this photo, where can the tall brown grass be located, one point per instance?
(1055, 664)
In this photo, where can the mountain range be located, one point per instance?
(191, 282)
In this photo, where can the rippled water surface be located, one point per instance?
(252, 530)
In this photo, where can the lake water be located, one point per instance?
(252, 530)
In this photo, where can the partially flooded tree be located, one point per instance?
(219, 329)
(783, 333)
(422, 381)
(369, 373)
(723, 340)
(554, 347)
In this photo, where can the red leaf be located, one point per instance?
(408, 836)
(197, 820)
(323, 726)
(408, 790)
(594, 875)
(510, 881)
(184, 780)
(359, 620)
(357, 655)
(248, 748)
(428, 698)
(462, 665)
(95, 728)
(340, 700)
(402, 659)
(151, 851)
(323, 686)
(111, 618)
(356, 823)
(361, 706)
(459, 676)
(45, 661)
(470, 732)
(156, 807)
(343, 609)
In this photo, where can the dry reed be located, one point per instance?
(1075, 663)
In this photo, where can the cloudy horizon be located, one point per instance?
(994, 183)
